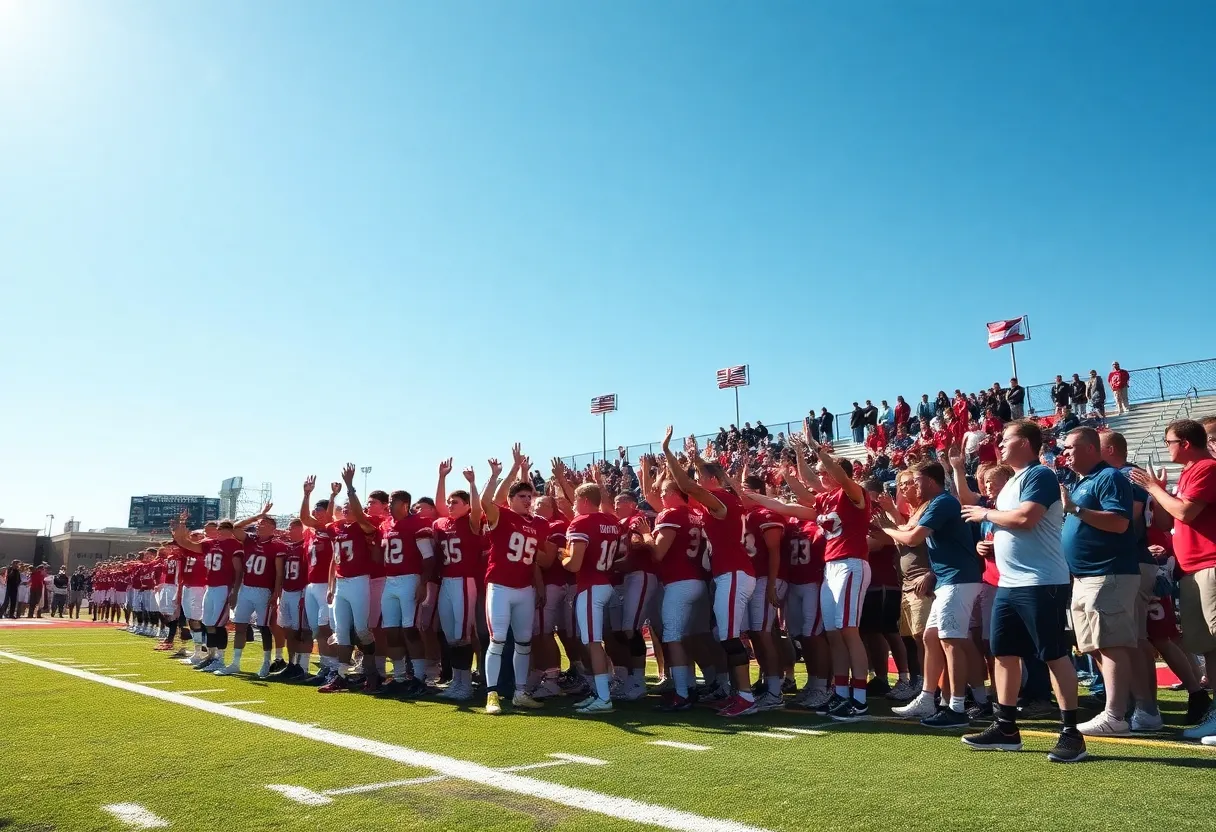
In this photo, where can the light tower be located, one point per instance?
(366, 469)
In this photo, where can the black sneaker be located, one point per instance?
(849, 710)
(833, 701)
(1070, 748)
(788, 685)
(878, 686)
(277, 666)
(981, 713)
(948, 719)
(993, 738)
(1197, 705)
(1036, 709)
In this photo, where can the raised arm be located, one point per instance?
(805, 496)
(685, 483)
(489, 506)
(238, 528)
(181, 535)
(474, 503)
(441, 489)
(500, 494)
(559, 476)
(784, 509)
(852, 489)
(959, 472)
(352, 500)
(305, 509)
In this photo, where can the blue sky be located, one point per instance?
(264, 239)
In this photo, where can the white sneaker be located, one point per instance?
(583, 703)
(1144, 721)
(597, 706)
(1209, 740)
(523, 700)
(919, 708)
(633, 691)
(229, 670)
(264, 670)
(1105, 725)
(456, 693)
(196, 659)
(547, 689)
(769, 701)
(1206, 728)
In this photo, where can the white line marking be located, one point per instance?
(164, 682)
(300, 795)
(242, 702)
(622, 808)
(135, 816)
(805, 731)
(531, 766)
(574, 758)
(683, 746)
(372, 787)
(205, 690)
(768, 735)
(126, 675)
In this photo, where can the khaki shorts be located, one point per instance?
(914, 613)
(1197, 595)
(1148, 579)
(1104, 611)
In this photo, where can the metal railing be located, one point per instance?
(1148, 450)
(1147, 384)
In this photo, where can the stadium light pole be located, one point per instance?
(366, 469)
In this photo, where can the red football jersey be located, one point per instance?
(514, 540)
(319, 544)
(399, 544)
(804, 542)
(159, 572)
(639, 554)
(194, 571)
(217, 560)
(173, 566)
(557, 574)
(260, 556)
(295, 576)
(845, 526)
(603, 535)
(461, 550)
(352, 555)
(758, 520)
(727, 552)
(683, 559)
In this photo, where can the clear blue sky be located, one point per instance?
(264, 239)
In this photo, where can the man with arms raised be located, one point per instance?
(408, 547)
(292, 578)
(1029, 612)
(258, 592)
(462, 569)
(734, 576)
(319, 547)
(223, 562)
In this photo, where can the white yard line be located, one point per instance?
(135, 816)
(242, 702)
(374, 787)
(574, 758)
(163, 682)
(768, 735)
(682, 746)
(531, 766)
(127, 675)
(809, 732)
(622, 808)
(205, 690)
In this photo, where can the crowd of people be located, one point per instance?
(981, 586)
(32, 590)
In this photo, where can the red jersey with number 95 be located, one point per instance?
(460, 549)
(295, 576)
(682, 562)
(514, 542)
(217, 560)
(846, 527)
(603, 535)
(352, 555)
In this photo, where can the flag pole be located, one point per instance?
(1014, 356)
(736, 407)
(604, 420)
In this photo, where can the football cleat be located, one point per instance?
(673, 702)
(737, 706)
(228, 670)
(768, 701)
(523, 700)
(596, 706)
(493, 707)
(336, 684)
(277, 665)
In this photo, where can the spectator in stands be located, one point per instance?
(924, 408)
(902, 413)
(720, 441)
(1119, 380)
(1095, 393)
(871, 414)
(972, 439)
(748, 434)
(1078, 397)
(1068, 421)
(1060, 395)
(1016, 396)
(825, 425)
(941, 404)
(762, 433)
(886, 416)
(778, 444)
(1003, 411)
(857, 423)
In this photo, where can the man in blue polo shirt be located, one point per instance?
(958, 572)
(1099, 542)
(1030, 610)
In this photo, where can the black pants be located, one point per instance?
(10, 602)
(58, 603)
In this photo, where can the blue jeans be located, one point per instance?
(859, 435)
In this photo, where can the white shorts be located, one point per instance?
(554, 615)
(145, 601)
(761, 615)
(132, 594)
(802, 618)
(291, 610)
(681, 601)
(509, 607)
(428, 611)
(252, 603)
(732, 594)
(113, 596)
(97, 598)
(167, 601)
(23, 594)
(215, 606)
(639, 600)
(375, 593)
(316, 608)
(192, 602)
(844, 586)
(397, 605)
(457, 609)
(590, 610)
(351, 598)
(950, 614)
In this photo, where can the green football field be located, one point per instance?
(95, 719)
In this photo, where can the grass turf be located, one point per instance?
(75, 745)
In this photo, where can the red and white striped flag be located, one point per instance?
(732, 377)
(603, 404)
(1001, 333)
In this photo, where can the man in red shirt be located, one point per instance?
(1193, 509)
(593, 539)
(408, 552)
(223, 562)
(461, 569)
(903, 412)
(1119, 380)
(734, 574)
(552, 616)
(638, 591)
(763, 534)
(319, 551)
(171, 558)
(519, 550)
(291, 576)
(259, 590)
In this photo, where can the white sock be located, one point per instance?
(221, 657)
(401, 670)
(343, 669)
(236, 655)
(212, 652)
(905, 676)
(266, 657)
(958, 704)
(419, 668)
(520, 663)
(601, 686)
(679, 676)
(278, 654)
(747, 696)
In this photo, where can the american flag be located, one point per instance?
(1001, 333)
(603, 404)
(732, 377)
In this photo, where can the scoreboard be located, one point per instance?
(156, 512)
